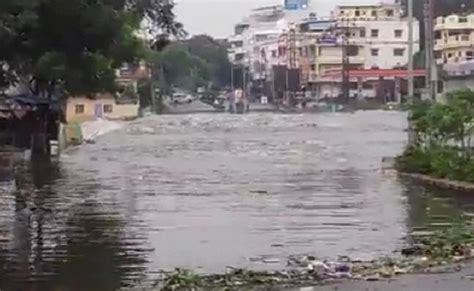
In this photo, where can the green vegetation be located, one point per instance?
(75, 46)
(443, 148)
(200, 61)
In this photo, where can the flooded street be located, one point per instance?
(207, 191)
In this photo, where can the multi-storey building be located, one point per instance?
(454, 39)
(454, 52)
(265, 39)
(372, 39)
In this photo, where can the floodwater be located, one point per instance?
(207, 191)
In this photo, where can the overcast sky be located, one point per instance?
(217, 17)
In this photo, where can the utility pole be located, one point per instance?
(152, 90)
(429, 16)
(345, 63)
(232, 76)
(411, 80)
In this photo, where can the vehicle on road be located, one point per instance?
(182, 98)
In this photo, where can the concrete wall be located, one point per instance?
(455, 85)
(119, 111)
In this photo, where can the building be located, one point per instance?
(377, 37)
(101, 106)
(262, 42)
(454, 53)
(454, 39)
(371, 38)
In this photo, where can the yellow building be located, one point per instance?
(454, 39)
(104, 106)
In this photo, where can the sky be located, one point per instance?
(217, 17)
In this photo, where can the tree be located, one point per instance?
(76, 45)
(196, 62)
(214, 53)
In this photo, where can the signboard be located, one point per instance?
(296, 4)
(328, 39)
(319, 25)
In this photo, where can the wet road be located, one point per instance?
(208, 191)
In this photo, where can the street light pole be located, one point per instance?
(411, 81)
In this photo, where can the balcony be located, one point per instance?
(235, 38)
(455, 22)
(455, 41)
(236, 50)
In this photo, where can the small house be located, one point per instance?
(102, 106)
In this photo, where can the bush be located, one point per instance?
(443, 146)
(414, 160)
(445, 162)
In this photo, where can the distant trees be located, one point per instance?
(76, 45)
(197, 62)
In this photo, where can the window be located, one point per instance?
(79, 108)
(399, 52)
(357, 13)
(239, 57)
(374, 33)
(313, 67)
(108, 108)
(462, 20)
(362, 33)
(352, 51)
(261, 37)
(450, 55)
(469, 54)
(374, 13)
(312, 49)
(390, 13)
(274, 53)
(398, 33)
(374, 52)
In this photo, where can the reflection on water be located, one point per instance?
(430, 209)
(48, 243)
(210, 191)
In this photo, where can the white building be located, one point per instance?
(381, 31)
(261, 40)
(375, 37)
(454, 52)
(454, 39)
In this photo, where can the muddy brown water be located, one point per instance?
(207, 191)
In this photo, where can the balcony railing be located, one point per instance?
(454, 41)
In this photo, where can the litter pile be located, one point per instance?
(440, 252)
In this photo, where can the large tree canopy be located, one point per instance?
(195, 62)
(76, 45)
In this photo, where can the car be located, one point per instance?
(181, 98)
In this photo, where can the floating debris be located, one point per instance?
(442, 252)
